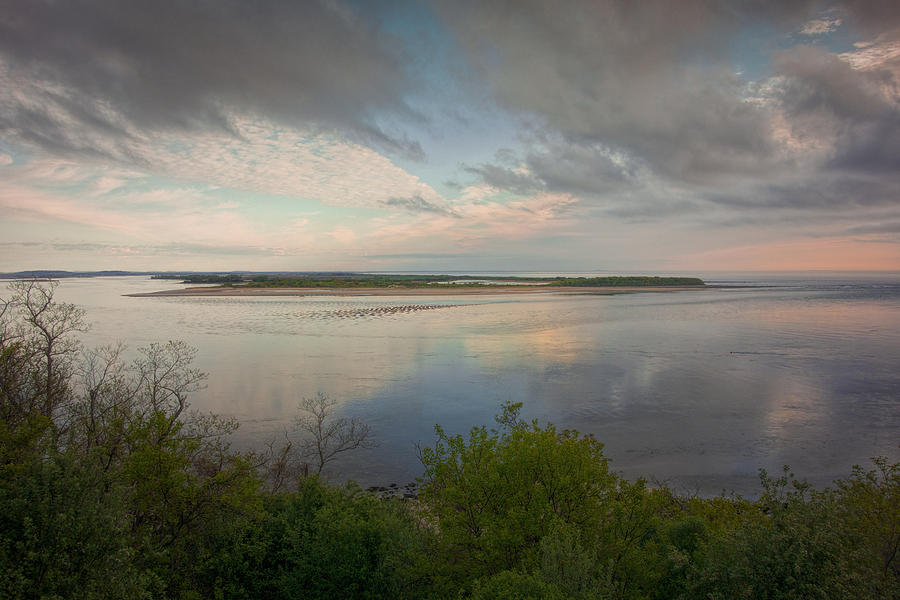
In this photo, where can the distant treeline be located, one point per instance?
(56, 274)
(351, 280)
(203, 278)
(627, 281)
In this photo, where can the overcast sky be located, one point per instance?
(483, 135)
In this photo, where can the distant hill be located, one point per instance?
(61, 274)
(50, 274)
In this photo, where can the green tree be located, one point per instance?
(63, 533)
(498, 494)
(793, 546)
(514, 585)
(320, 541)
(868, 502)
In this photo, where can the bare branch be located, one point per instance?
(329, 436)
(44, 336)
(167, 379)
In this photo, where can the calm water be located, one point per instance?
(698, 388)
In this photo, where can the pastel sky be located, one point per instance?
(449, 135)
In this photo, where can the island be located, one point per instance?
(357, 284)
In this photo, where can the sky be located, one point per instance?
(483, 135)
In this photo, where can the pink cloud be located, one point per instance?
(839, 253)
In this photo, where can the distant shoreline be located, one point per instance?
(442, 290)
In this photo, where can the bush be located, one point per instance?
(63, 534)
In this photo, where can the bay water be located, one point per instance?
(697, 389)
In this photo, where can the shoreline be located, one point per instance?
(430, 291)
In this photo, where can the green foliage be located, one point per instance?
(63, 533)
(794, 546)
(628, 281)
(539, 501)
(319, 542)
(868, 503)
(687, 534)
(349, 280)
(497, 494)
(513, 585)
(195, 278)
(566, 566)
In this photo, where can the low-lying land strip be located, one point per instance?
(427, 285)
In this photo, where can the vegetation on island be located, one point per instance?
(196, 278)
(111, 487)
(628, 281)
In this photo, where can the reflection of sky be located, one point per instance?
(700, 387)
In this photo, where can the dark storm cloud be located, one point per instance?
(874, 228)
(873, 16)
(506, 178)
(644, 78)
(652, 83)
(110, 67)
(418, 204)
(46, 123)
(556, 165)
(644, 212)
(578, 169)
(825, 96)
(826, 191)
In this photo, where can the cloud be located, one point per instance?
(554, 164)
(851, 110)
(872, 17)
(874, 55)
(343, 235)
(518, 181)
(833, 192)
(70, 200)
(637, 110)
(268, 159)
(480, 217)
(875, 228)
(112, 69)
(646, 82)
(417, 204)
(227, 124)
(423, 255)
(147, 249)
(168, 215)
(820, 26)
(262, 159)
(833, 254)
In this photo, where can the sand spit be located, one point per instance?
(442, 290)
